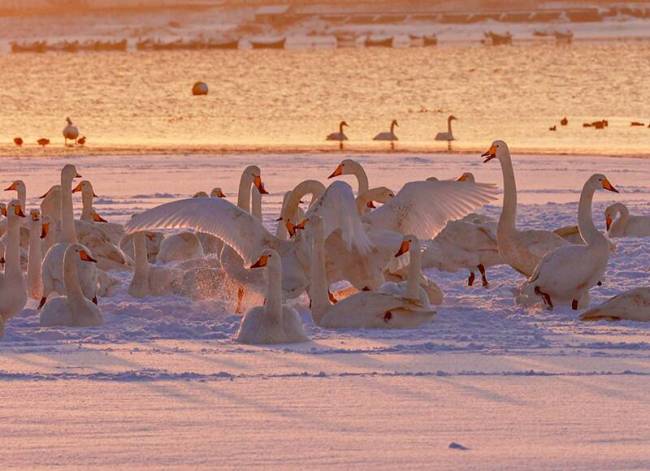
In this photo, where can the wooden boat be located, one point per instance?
(277, 44)
(232, 44)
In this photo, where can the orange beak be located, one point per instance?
(608, 221)
(338, 172)
(220, 194)
(19, 211)
(77, 175)
(149, 236)
(35, 216)
(98, 218)
(44, 230)
(462, 178)
(4, 211)
(406, 245)
(77, 188)
(44, 195)
(371, 205)
(490, 154)
(608, 186)
(11, 187)
(83, 255)
(261, 262)
(260, 186)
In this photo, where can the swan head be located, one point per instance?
(84, 186)
(466, 177)
(498, 149)
(292, 228)
(14, 209)
(217, 193)
(346, 167)
(69, 172)
(45, 227)
(599, 181)
(343, 124)
(256, 174)
(612, 211)
(380, 194)
(68, 120)
(200, 194)
(406, 244)
(452, 118)
(394, 123)
(35, 215)
(82, 253)
(267, 256)
(53, 192)
(432, 179)
(17, 185)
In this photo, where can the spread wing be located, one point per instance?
(216, 216)
(423, 208)
(337, 207)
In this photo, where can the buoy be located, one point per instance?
(200, 88)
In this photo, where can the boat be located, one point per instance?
(277, 44)
(430, 40)
(228, 44)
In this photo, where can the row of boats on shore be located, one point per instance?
(342, 40)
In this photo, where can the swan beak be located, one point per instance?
(149, 236)
(3, 210)
(76, 189)
(338, 172)
(43, 196)
(77, 175)
(291, 229)
(98, 218)
(220, 194)
(262, 262)
(279, 219)
(371, 205)
(44, 230)
(608, 221)
(490, 154)
(608, 186)
(19, 211)
(35, 215)
(11, 187)
(260, 185)
(462, 178)
(94, 195)
(406, 245)
(83, 255)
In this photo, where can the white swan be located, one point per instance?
(631, 305)
(210, 243)
(338, 136)
(153, 241)
(621, 224)
(51, 211)
(178, 247)
(566, 274)
(150, 280)
(388, 135)
(37, 231)
(12, 283)
(72, 309)
(274, 322)
(70, 131)
(522, 250)
(352, 167)
(365, 201)
(449, 135)
(365, 309)
(115, 232)
(19, 187)
(52, 267)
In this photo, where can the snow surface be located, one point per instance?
(486, 385)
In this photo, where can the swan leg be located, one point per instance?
(481, 268)
(545, 297)
(470, 280)
(42, 303)
(392, 145)
(240, 299)
(449, 146)
(340, 145)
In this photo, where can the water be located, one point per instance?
(289, 100)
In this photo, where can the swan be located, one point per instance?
(51, 211)
(352, 167)
(37, 231)
(469, 243)
(621, 224)
(72, 309)
(429, 291)
(150, 280)
(632, 305)
(256, 203)
(388, 135)
(274, 322)
(19, 187)
(115, 232)
(70, 131)
(13, 292)
(153, 241)
(447, 136)
(364, 309)
(522, 250)
(338, 136)
(365, 201)
(182, 246)
(52, 267)
(566, 274)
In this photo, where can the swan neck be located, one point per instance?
(68, 233)
(414, 272)
(22, 196)
(256, 203)
(71, 277)
(362, 177)
(244, 193)
(509, 211)
(141, 271)
(318, 288)
(449, 126)
(87, 205)
(586, 226)
(273, 306)
(12, 249)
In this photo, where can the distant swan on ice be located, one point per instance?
(338, 136)
(388, 135)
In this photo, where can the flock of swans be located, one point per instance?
(377, 241)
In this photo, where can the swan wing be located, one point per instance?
(423, 208)
(216, 216)
(337, 208)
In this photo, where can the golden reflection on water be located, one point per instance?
(292, 99)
